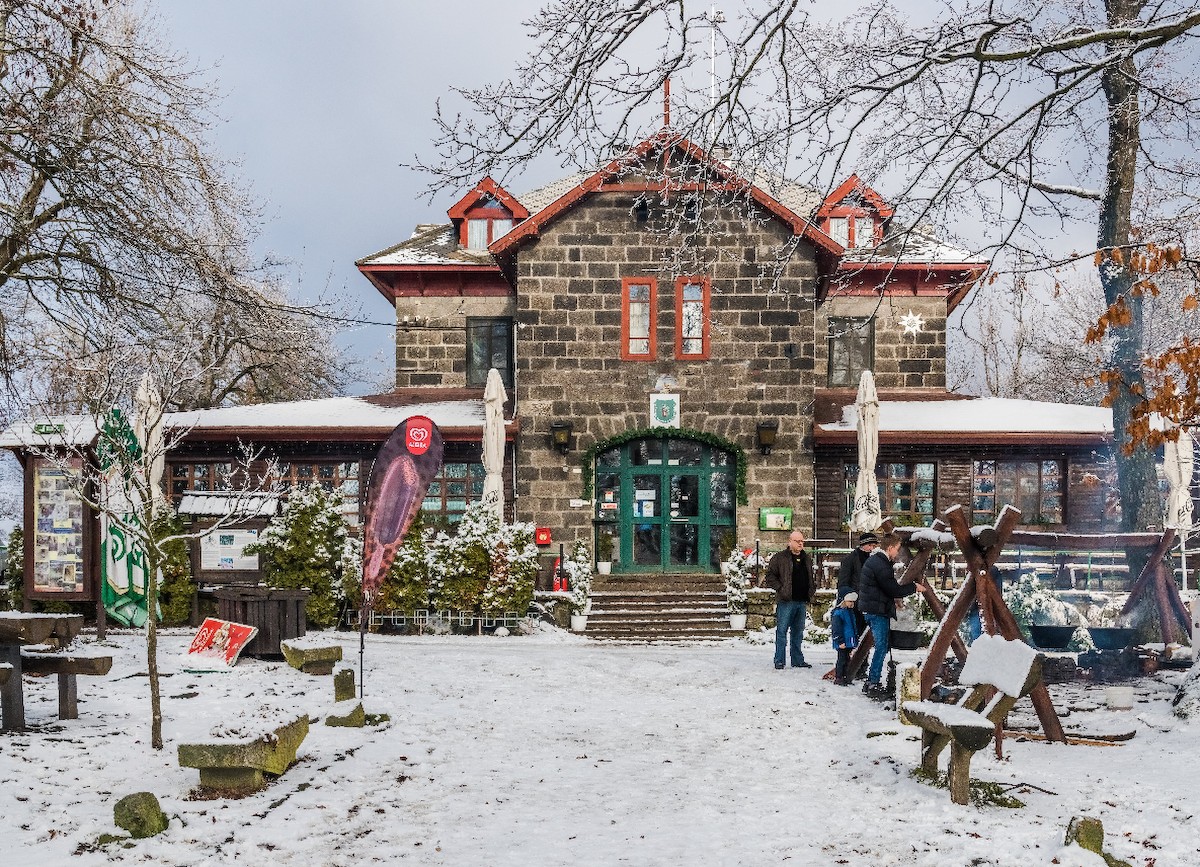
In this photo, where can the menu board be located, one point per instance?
(58, 523)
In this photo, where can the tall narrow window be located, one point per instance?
(477, 234)
(851, 349)
(839, 230)
(691, 317)
(637, 319)
(489, 344)
(864, 232)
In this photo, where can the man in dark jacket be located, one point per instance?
(849, 571)
(878, 591)
(789, 574)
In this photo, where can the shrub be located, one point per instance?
(578, 569)
(14, 568)
(1030, 603)
(485, 566)
(175, 587)
(737, 579)
(302, 548)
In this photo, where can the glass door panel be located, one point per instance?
(684, 545)
(647, 517)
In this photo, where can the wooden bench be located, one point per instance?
(68, 666)
(1010, 669)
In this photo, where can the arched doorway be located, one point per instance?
(667, 501)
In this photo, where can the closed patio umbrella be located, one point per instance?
(1178, 463)
(866, 515)
(494, 397)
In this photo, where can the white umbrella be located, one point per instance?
(1178, 463)
(494, 397)
(867, 515)
(148, 428)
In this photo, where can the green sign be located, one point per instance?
(775, 518)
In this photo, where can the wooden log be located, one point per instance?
(1147, 574)
(1083, 541)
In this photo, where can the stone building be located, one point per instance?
(691, 337)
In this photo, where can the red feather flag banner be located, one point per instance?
(406, 464)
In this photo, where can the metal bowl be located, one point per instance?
(1051, 637)
(902, 639)
(1112, 638)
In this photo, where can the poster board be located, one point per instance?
(58, 537)
(217, 645)
(223, 550)
(775, 518)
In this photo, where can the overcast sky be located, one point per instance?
(322, 102)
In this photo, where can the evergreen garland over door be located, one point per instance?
(666, 502)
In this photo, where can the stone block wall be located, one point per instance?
(901, 360)
(763, 352)
(433, 353)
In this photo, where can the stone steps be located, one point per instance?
(659, 608)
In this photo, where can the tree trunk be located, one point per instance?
(1135, 465)
(152, 561)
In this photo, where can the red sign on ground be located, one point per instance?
(220, 641)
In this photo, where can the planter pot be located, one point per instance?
(737, 621)
(278, 615)
(578, 622)
(604, 567)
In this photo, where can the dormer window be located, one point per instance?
(853, 215)
(485, 214)
(852, 231)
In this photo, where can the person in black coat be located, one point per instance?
(878, 591)
(850, 570)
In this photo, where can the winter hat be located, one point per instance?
(850, 597)
(868, 539)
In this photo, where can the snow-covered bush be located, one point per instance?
(578, 569)
(302, 548)
(485, 566)
(737, 579)
(405, 585)
(1187, 699)
(1032, 603)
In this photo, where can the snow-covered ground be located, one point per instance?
(550, 749)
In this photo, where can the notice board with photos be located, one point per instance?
(58, 531)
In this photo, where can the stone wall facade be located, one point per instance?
(761, 365)
(432, 352)
(902, 359)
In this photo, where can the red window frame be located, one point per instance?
(852, 215)
(705, 301)
(651, 354)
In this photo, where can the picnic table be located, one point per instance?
(17, 629)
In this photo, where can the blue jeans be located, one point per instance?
(881, 631)
(789, 615)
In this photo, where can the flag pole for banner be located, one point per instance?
(408, 460)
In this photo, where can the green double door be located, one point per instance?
(667, 502)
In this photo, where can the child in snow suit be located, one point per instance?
(845, 636)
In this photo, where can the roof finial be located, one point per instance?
(666, 103)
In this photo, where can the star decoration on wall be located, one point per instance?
(912, 323)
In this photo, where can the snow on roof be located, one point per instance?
(430, 244)
(221, 503)
(44, 433)
(538, 199)
(329, 412)
(910, 246)
(985, 414)
(370, 412)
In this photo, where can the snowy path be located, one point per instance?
(554, 750)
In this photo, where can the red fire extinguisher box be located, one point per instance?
(541, 536)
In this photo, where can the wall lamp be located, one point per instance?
(560, 435)
(764, 435)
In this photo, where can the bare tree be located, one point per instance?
(113, 458)
(1014, 118)
(113, 210)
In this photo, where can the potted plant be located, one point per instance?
(604, 552)
(737, 579)
(725, 547)
(579, 573)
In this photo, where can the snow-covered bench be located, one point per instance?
(1012, 669)
(67, 665)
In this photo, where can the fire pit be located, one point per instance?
(1112, 638)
